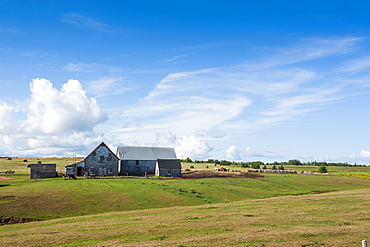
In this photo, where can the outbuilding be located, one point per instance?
(77, 169)
(168, 168)
(42, 170)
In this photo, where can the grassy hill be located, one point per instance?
(274, 209)
(329, 219)
(22, 197)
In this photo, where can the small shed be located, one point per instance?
(168, 168)
(77, 169)
(43, 171)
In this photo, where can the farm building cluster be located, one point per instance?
(128, 161)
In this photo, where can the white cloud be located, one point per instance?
(88, 23)
(51, 111)
(6, 113)
(244, 97)
(52, 122)
(238, 99)
(221, 103)
(193, 147)
(176, 58)
(248, 152)
(107, 86)
(232, 153)
(314, 49)
(364, 154)
(166, 137)
(91, 68)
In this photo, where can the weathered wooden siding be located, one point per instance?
(101, 162)
(168, 168)
(137, 167)
(168, 173)
(43, 171)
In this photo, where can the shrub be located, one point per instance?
(323, 169)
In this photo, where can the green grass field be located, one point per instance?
(274, 210)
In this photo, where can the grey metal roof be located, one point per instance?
(145, 153)
(169, 164)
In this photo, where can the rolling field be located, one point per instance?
(274, 210)
(330, 219)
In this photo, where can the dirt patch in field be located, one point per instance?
(220, 174)
(4, 178)
(12, 220)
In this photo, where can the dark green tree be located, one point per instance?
(295, 162)
(188, 160)
(323, 169)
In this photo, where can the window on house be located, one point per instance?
(101, 159)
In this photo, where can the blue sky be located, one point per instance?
(235, 80)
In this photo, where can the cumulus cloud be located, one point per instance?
(166, 137)
(192, 146)
(6, 113)
(52, 122)
(248, 151)
(232, 153)
(364, 154)
(51, 111)
(221, 103)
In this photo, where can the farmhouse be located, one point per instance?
(140, 160)
(168, 168)
(42, 170)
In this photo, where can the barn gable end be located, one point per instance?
(101, 162)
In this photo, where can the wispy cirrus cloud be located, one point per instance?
(10, 30)
(108, 86)
(175, 58)
(91, 68)
(245, 97)
(91, 24)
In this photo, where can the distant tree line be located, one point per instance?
(275, 165)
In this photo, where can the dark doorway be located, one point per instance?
(79, 171)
